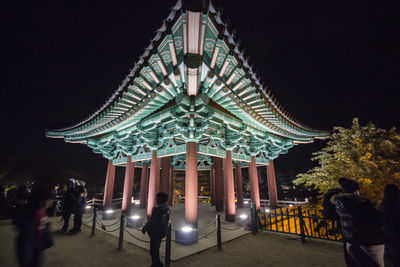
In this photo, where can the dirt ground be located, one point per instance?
(264, 249)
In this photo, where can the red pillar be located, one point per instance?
(191, 185)
(219, 190)
(144, 183)
(109, 186)
(212, 185)
(165, 175)
(158, 161)
(254, 187)
(128, 186)
(230, 209)
(239, 186)
(273, 193)
(171, 185)
(154, 169)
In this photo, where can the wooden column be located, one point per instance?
(212, 185)
(128, 187)
(158, 162)
(109, 186)
(272, 191)
(229, 184)
(191, 185)
(171, 185)
(219, 190)
(254, 187)
(144, 183)
(165, 174)
(154, 169)
(239, 186)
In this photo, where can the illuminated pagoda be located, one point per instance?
(191, 102)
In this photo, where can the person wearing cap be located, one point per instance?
(361, 226)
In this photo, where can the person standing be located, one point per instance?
(361, 226)
(79, 209)
(390, 211)
(68, 203)
(33, 229)
(157, 227)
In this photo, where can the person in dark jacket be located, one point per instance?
(33, 228)
(390, 211)
(79, 209)
(68, 203)
(157, 227)
(361, 226)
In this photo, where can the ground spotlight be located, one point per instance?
(88, 207)
(135, 217)
(243, 216)
(186, 229)
(267, 210)
(245, 202)
(109, 211)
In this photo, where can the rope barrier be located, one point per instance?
(230, 229)
(207, 225)
(137, 238)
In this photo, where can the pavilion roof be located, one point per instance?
(160, 76)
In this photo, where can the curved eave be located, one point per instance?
(156, 79)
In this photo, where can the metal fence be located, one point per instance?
(299, 220)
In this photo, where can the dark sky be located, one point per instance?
(326, 61)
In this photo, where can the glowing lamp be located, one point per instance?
(267, 210)
(186, 229)
(243, 216)
(135, 217)
(245, 202)
(290, 205)
(109, 211)
(88, 207)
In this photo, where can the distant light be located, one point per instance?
(245, 202)
(109, 211)
(137, 202)
(135, 217)
(88, 207)
(267, 210)
(290, 205)
(186, 229)
(243, 216)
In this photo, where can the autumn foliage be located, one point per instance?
(367, 154)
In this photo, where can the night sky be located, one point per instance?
(326, 61)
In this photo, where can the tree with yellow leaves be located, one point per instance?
(366, 154)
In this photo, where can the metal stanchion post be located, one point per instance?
(94, 221)
(303, 237)
(168, 246)
(121, 231)
(219, 241)
(253, 218)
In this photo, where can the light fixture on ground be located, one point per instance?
(108, 214)
(88, 207)
(245, 202)
(135, 217)
(134, 221)
(267, 210)
(242, 219)
(186, 235)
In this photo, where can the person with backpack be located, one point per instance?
(157, 226)
(331, 214)
(361, 226)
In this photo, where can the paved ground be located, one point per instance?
(264, 249)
